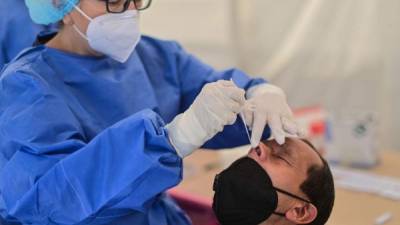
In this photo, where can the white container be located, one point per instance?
(352, 139)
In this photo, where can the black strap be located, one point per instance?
(292, 195)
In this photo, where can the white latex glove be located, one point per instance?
(217, 105)
(267, 105)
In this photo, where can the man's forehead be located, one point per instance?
(306, 152)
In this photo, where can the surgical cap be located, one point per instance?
(49, 11)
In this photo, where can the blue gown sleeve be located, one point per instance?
(12, 41)
(193, 75)
(50, 173)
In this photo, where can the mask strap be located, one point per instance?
(279, 214)
(292, 195)
(76, 28)
(82, 13)
(79, 32)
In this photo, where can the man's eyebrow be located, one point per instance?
(287, 152)
(288, 148)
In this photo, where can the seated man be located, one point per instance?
(288, 184)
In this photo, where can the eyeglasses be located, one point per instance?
(120, 6)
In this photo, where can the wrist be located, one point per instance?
(186, 133)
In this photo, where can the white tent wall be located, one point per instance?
(203, 27)
(342, 54)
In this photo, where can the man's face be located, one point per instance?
(287, 166)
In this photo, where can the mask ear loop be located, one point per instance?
(279, 214)
(291, 195)
(84, 15)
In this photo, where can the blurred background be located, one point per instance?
(342, 55)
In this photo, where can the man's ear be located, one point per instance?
(302, 213)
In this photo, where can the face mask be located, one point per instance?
(114, 35)
(244, 194)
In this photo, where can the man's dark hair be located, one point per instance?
(319, 188)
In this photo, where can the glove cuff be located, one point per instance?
(186, 134)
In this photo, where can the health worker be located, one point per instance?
(96, 119)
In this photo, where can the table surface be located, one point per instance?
(351, 208)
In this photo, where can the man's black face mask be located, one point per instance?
(245, 195)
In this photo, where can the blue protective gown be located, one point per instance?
(17, 31)
(82, 139)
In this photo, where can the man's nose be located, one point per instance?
(263, 152)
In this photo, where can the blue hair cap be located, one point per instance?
(49, 11)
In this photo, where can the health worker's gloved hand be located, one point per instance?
(217, 105)
(267, 105)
